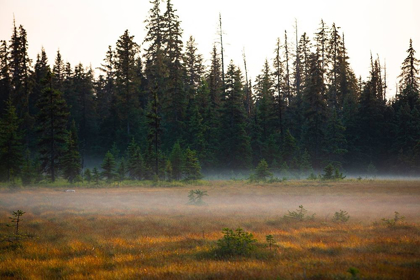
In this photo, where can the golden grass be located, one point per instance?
(151, 233)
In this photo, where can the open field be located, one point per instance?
(152, 233)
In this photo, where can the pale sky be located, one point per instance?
(83, 29)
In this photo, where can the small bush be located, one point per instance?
(312, 176)
(270, 240)
(395, 221)
(299, 215)
(332, 173)
(261, 172)
(196, 197)
(235, 243)
(341, 217)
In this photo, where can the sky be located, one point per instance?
(83, 29)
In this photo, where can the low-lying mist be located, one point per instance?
(364, 201)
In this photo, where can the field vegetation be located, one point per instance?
(346, 229)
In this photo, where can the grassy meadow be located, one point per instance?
(123, 231)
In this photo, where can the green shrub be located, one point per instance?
(270, 240)
(235, 243)
(341, 217)
(299, 215)
(312, 176)
(393, 222)
(196, 197)
(262, 171)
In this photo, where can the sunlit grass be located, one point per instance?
(151, 233)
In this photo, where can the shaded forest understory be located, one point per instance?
(155, 110)
(155, 233)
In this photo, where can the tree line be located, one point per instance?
(155, 110)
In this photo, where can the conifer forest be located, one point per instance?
(154, 110)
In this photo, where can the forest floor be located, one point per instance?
(151, 232)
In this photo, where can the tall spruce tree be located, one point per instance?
(409, 79)
(127, 83)
(135, 161)
(108, 166)
(83, 110)
(314, 107)
(234, 143)
(11, 150)
(71, 160)
(51, 126)
(19, 65)
(279, 92)
(174, 102)
(5, 81)
(177, 161)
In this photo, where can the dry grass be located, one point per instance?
(151, 233)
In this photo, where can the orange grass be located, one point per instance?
(151, 233)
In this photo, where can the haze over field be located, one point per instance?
(368, 201)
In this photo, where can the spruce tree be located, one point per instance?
(278, 85)
(135, 165)
(265, 110)
(51, 121)
(19, 65)
(11, 150)
(127, 83)
(108, 166)
(262, 171)
(5, 81)
(177, 161)
(194, 68)
(409, 85)
(192, 168)
(87, 175)
(314, 108)
(335, 143)
(27, 174)
(58, 71)
(83, 109)
(174, 101)
(71, 161)
(96, 175)
(121, 171)
(234, 143)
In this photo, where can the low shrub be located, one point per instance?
(235, 243)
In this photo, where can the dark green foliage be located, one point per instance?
(270, 240)
(15, 220)
(235, 243)
(395, 221)
(135, 161)
(195, 197)
(52, 121)
(96, 175)
(108, 167)
(332, 173)
(299, 215)
(304, 110)
(305, 165)
(329, 172)
(71, 161)
(121, 171)
(192, 168)
(11, 149)
(87, 175)
(262, 171)
(235, 148)
(341, 217)
(27, 174)
(354, 272)
(177, 161)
